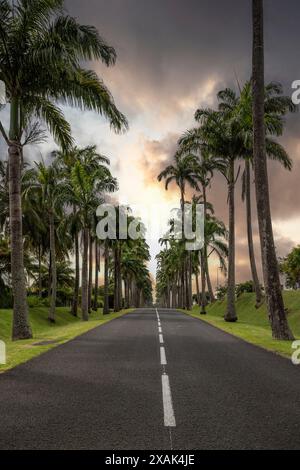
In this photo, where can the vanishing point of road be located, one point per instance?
(152, 379)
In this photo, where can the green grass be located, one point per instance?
(253, 325)
(66, 328)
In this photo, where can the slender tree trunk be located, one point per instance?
(21, 327)
(126, 284)
(209, 284)
(51, 316)
(138, 298)
(198, 289)
(90, 284)
(174, 288)
(120, 282)
(276, 311)
(190, 282)
(130, 292)
(84, 276)
(203, 284)
(116, 279)
(186, 285)
(255, 279)
(40, 272)
(97, 269)
(183, 287)
(231, 315)
(49, 278)
(168, 293)
(74, 310)
(106, 279)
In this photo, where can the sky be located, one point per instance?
(173, 57)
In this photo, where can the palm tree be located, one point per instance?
(183, 172)
(87, 183)
(276, 106)
(97, 270)
(217, 137)
(81, 193)
(276, 311)
(50, 189)
(106, 278)
(47, 68)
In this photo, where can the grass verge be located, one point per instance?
(253, 325)
(66, 328)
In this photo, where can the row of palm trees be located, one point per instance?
(242, 131)
(60, 202)
(177, 267)
(42, 52)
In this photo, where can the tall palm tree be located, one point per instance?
(50, 188)
(240, 107)
(106, 278)
(97, 270)
(81, 193)
(205, 169)
(276, 311)
(41, 52)
(84, 191)
(217, 137)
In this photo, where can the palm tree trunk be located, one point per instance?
(120, 282)
(255, 279)
(21, 327)
(197, 289)
(126, 284)
(116, 279)
(74, 310)
(49, 278)
(276, 311)
(231, 315)
(208, 280)
(84, 276)
(186, 285)
(106, 279)
(168, 294)
(129, 292)
(90, 285)
(174, 289)
(97, 269)
(209, 286)
(51, 316)
(190, 282)
(182, 287)
(203, 284)
(40, 271)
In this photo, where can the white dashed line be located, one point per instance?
(169, 417)
(163, 359)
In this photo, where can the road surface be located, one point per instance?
(152, 380)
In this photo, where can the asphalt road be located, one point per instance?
(122, 386)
